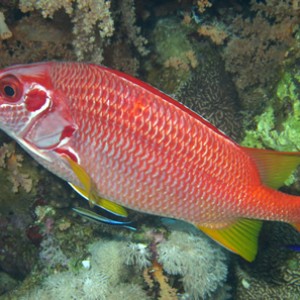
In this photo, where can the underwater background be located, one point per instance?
(234, 62)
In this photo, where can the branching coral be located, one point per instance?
(214, 32)
(129, 19)
(88, 17)
(47, 8)
(258, 46)
(93, 23)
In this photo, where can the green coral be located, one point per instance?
(278, 127)
(175, 55)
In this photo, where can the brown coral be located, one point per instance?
(50, 39)
(203, 4)
(258, 46)
(13, 163)
(217, 35)
(155, 274)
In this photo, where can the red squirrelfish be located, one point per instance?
(116, 137)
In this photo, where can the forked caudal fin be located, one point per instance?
(240, 237)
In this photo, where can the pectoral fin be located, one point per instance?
(108, 205)
(88, 191)
(241, 237)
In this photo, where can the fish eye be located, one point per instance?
(9, 91)
(10, 88)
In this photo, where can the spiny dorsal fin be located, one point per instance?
(274, 167)
(241, 237)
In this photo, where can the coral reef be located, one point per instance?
(250, 288)
(194, 72)
(275, 272)
(53, 254)
(258, 45)
(203, 4)
(13, 163)
(88, 18)
(201, 265)
(92, 24)
(215, 33)
(104, 279)
(49, 39)
(19, 180)
(210, 92)
(155, 274)
(6, 283)
(279, 125)
(175, 56)
(137, 254)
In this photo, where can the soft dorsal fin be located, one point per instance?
(241, 237)
(274, 167)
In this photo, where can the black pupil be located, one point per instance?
(9, 91)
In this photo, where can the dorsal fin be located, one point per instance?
(274, 167)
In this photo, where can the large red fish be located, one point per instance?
(144, 150)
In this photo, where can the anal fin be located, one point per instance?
(241, 237)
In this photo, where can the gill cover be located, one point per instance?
(53, 124)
